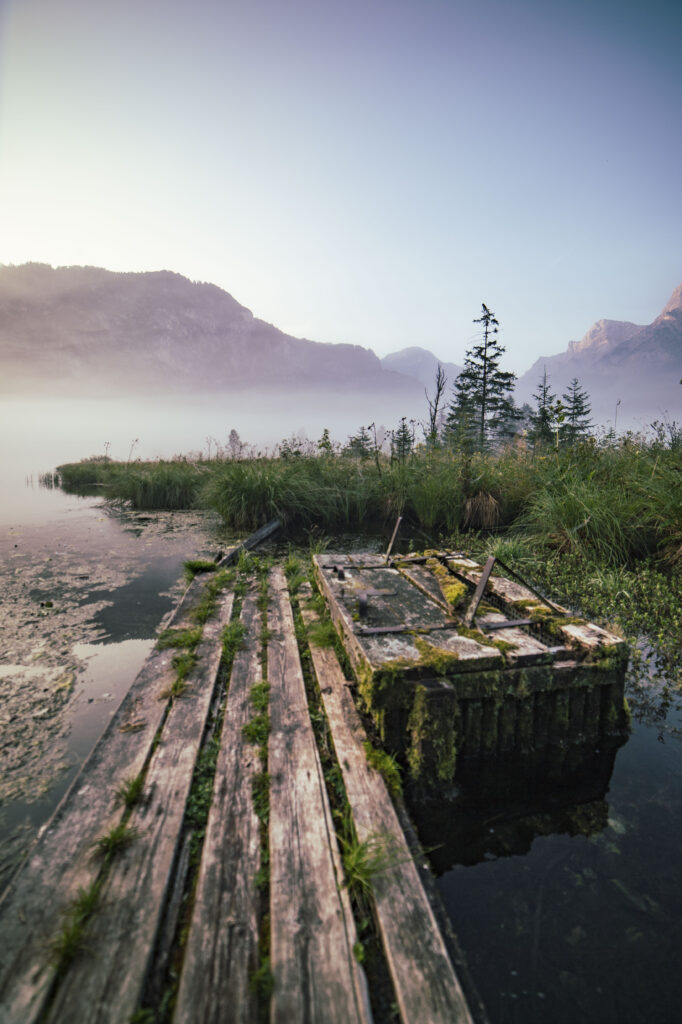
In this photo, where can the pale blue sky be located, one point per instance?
(356, 170)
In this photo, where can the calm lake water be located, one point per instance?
(84, 590)
(567, 900)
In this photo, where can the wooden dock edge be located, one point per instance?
(59, 865)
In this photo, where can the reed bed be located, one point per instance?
(617, 501)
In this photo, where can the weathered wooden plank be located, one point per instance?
(426, 582)
(426, 986)
(528, 650)
(60, 863)
(312, 934)
(106, 986)
(222, 945)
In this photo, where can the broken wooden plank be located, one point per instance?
(312, 933)
(426, 986)
(106, 986)
(221, 953)
(478, 592)
(60, 863)
(252, 541)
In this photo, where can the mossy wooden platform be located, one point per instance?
(248, 913)
(517, 677)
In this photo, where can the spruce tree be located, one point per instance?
(482, 408)
(402, 442)
(577, 423)
(542, 420)
(360, 444)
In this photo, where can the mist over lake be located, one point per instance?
(40, 432)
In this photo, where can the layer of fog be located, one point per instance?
(39, 433)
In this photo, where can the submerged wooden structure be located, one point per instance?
(454, 660)
(260, 898)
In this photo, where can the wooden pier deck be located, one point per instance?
(131, 906)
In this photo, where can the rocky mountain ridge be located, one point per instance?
(74, 327)
(635, 368)
(84, 330)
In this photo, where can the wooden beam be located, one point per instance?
(479, 591)
(222, 946)
(316, 975)
(425, 983)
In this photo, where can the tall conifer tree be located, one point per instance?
(542, 419)
(482, 408)
(577, 423)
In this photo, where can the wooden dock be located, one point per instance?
(455, 661)
(125, 904)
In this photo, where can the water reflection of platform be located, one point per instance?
(497, 809)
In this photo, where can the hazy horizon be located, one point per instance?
(354, 172)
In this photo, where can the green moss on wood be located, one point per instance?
(386, 765)
(432, 753)
(454, 591)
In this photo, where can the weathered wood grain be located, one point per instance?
(60, 863)
(222, 945)
(106, 986)
(426, 986)
(527, 649)
(316, 976)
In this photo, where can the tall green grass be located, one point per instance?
(615, 501)
(145, 485)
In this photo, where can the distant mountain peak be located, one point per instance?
(419, 363)
(675, 304)
(603, 336)
(636, 367)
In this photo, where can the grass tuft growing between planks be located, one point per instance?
(171, 638)
(119, 838)
(129, 793)
(71, 941)
(257, 729)
(364, 860)
(195, 566)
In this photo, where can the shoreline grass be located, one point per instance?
(617, 500)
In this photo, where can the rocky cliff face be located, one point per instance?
(617, 362)
(71, 328)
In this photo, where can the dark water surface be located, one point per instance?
(567, 897)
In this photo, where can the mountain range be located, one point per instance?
(634, 368)
(67, 329)
(75, 330)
